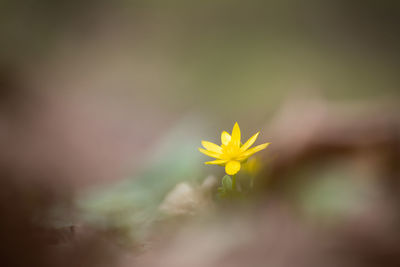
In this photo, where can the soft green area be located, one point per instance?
(332, 192)
(131, 206)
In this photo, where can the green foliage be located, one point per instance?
(226, 189)
(227, 183)
(131, 206)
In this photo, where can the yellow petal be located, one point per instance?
(225, 138)
(236, 134)
(217, 162)
(249, 142)
(232, 167)
(253, 150)
(210, 153)
(211, 147)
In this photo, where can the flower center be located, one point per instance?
(230, 151)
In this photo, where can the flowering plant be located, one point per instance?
(231, 154)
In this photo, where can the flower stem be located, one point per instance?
(234, 182)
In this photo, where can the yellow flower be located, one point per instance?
(231, 153)
(252, 166)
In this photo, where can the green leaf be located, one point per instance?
(227, 183)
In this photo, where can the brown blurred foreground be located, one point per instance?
(366, 139)
(273, 232)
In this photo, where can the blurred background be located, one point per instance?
(104, 104)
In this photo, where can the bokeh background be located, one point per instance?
(104, 104)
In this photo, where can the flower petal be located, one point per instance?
(253, 150)
(210, 153)
(249, 142)
(217, 162)
(211, 147)
(232, 167)
(225, 138)
(236, 134)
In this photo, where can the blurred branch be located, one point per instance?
(305, 131)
